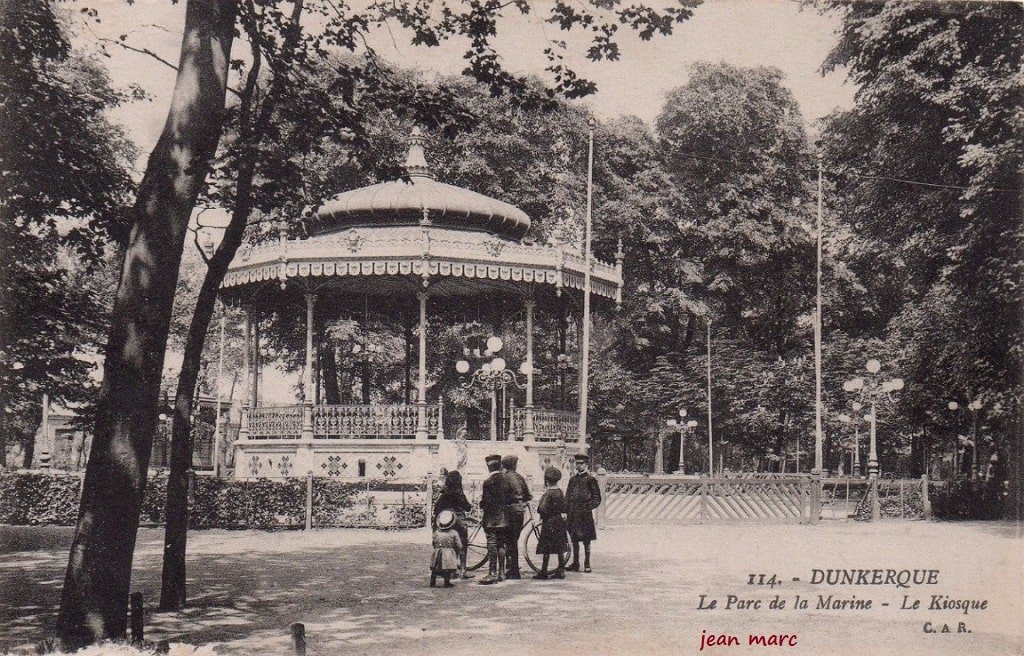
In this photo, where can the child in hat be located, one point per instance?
(453, 498)
(552, 530)
(447, 545)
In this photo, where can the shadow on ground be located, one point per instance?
(366, 592)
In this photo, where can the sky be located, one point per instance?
(778, 33)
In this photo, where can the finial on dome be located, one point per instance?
(416, 160)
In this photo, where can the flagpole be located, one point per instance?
(217, 423)
(711, 442)
(585, 346)
(818, 435)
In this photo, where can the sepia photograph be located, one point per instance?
(459, 327)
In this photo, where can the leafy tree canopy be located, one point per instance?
(64, 182)
(938, 104)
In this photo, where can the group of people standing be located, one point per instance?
(504, 503)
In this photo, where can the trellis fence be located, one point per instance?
(874, 499)
(673, 499)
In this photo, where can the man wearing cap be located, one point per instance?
(582, 496)
(516, 513)
(496, 495)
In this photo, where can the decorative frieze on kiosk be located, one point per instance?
(409, 245)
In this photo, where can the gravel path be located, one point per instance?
(365, 592)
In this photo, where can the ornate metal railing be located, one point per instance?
(548, 425)
(353, 421)
(280, 422)
(398, 421)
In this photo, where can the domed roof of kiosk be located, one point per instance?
(421, 200)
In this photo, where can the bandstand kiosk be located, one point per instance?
(407, 244)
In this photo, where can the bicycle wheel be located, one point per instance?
(533, 559)
(476, 553)
(532, 532)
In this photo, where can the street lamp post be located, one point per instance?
(683, 426)
(872, 389)
(493, 374)
(974, 407)
(954, 407)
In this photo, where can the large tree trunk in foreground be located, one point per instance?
(173, 574)
(94, 601)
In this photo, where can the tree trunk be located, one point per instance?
(173, 575)
(94, 600)
(332, 393)
(364, 375)
(172, 581)
(916, 458)
(28, 451)
(1014, 508)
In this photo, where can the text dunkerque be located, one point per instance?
(900, 578)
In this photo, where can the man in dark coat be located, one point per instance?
(582, 496)
(516, 513)
(495, 497)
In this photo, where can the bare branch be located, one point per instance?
(141, 51)
(195, 239)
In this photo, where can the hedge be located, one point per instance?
(37, 498)
(965, 499)
(53, 498)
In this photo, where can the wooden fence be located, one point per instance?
(675, 499)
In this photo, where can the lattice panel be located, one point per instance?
(653, 501)
(548, 425)
(371, 421)
(667, 500)
(770, 500)
(275, 422)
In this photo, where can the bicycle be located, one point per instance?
(476, 547)
(476, 554)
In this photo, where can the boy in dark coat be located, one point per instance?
(495, 497)
(552, 529)
(582, 496)
(516, 513)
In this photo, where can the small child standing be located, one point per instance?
(447, 546)
(453, 498)
(552, 530)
